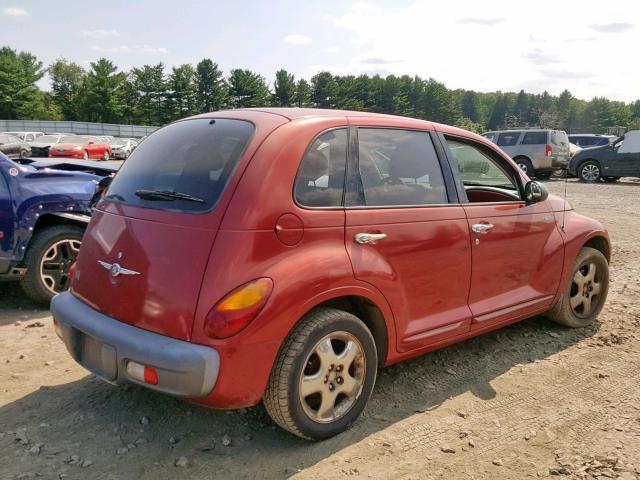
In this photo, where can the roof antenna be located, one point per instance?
(564, 198)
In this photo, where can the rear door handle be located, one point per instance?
(369, 238)
(481, 227)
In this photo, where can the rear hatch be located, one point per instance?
(144, 253)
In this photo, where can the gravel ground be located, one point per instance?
(532, 400)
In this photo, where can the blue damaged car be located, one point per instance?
(44, 209)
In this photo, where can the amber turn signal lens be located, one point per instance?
(237, 309)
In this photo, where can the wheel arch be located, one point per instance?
(54, 219)
(601, 244)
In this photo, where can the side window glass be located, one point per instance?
(399, 167)
(490, 136)
(508, 139)
(480, 169)
(320, 178)
(535, 138)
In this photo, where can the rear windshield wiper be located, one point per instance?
(166, 195)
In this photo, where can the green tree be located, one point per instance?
(284, 89)
(103, 89)
(183, 91)
(19, 95)
(324, 90)
(470, 107)
(67, 83)
(213, 91)
(303, 93)
(151, 86)
(247, 89)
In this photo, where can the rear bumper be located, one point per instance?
(104, 346)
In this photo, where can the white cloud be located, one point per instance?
(99, 34)
(297, 39)
(490, 53)
(144, 49)
(15, 12)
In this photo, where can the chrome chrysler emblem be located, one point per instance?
(116, 269)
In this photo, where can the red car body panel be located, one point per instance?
(432, 283)
(68, 150)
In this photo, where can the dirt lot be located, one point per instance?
(531, 400)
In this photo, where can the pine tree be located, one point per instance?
(284, 89)
(212, 90)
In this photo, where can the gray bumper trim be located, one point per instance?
(104, 346)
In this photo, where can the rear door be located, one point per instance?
(624, 156)
(405, 237)
(517, 250)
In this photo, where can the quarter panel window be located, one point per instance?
(508, 139)
(534, 138)
(399, 167)
(320, 178)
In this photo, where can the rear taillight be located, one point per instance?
(238, 308)
(547, 151)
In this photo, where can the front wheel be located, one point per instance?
(51, 253)
(323, 375)
(587, 290)
(23, 154)
(589, 172)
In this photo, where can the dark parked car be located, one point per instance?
(284, 255)
(41, 145)
(621, 158)
(586, 140)
(13, 147)
(43, 214)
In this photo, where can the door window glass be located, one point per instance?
(320, 178)
(508, 139)
(399, 167)
(480, 169)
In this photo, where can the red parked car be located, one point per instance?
(78, 146)
(283, 255)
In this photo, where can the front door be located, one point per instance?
(517, 251)
(405, 238)
(624, 156)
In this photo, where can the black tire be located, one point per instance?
(589, 171)
(85, 155)
(543, 175)
(525, 165)
(611, 179)
(33, 284)
(23, 154)
(106, 156)
(283, 397)
(563, 313)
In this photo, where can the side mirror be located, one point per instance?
(535, 192)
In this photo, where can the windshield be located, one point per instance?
(180, 162)
(73, 139)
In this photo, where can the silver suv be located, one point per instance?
(538, 152)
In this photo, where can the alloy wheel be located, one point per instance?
(333, 377)
(590, 172)
(55, 264)
(585, 290)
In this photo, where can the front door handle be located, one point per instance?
(369, 238)
(481, 227)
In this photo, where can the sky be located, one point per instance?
(588, 47)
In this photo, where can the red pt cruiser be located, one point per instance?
(283, 255)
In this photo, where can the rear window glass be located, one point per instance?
(182, 167)
(508, 139)
(535, 138)
(558, 137)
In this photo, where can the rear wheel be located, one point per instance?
(51, 253)
(611, 179)
(525, 165)
(23, 154)
(589, 172)
(105, 156)
(587, 290)
(323, 375)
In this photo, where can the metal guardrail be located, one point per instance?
(81, 128)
